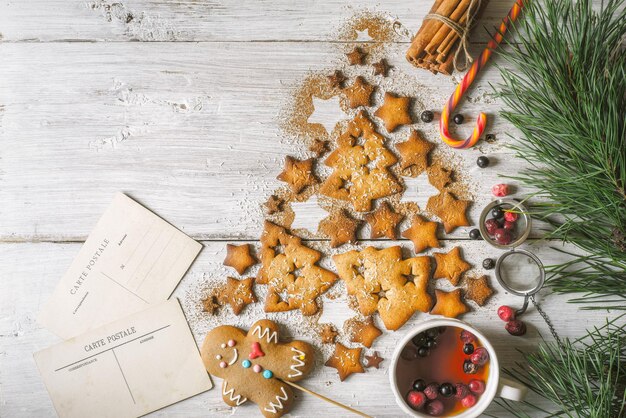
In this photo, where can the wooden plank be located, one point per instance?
(205, 20)
(190, 130)
(31, 271)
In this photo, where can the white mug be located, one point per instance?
(496, 385)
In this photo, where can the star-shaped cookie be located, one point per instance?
(319, 147)
(438, 176)
(340, 227)
(359, 93)
(381, 67)
(346, 360)
(451, 265)
(383, 221)
(373, 361)
(422, 233)
(357, 56)
(478, 289)
(298, 173)
(239, 257)
(414, 153)
(363, 331)
(449, 304)
(336, 79)
(210, 304)
(449, 209)
(395, 111)
(328, 333)
(274, 204)
(237, 293)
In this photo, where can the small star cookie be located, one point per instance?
(360, 93)
(451, 266)
(274, 204)
(346, 360)
(357, 56)
(383, 221)
(336, 79)
(239, 257)
(298, 173)
(363, 332)
(422, 233)
(414, 152)
(237, 293)
(395, 111)
(319, 147)
(381, 67)
(328, 333)
(210, 304)
(438, 176)
(478, 290)
(449, 209)
(340, 227)
(449, 304)
(373, 361)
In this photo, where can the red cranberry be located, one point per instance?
(503, 237)
(432, 391)
(480, 356)
(506, 313)
(510, 216)
(467, 337)
(508, 225)
(477, 386)
(434, 408)
(491, 225)
(461, 391)
(468, 401)
(516, 327)
(500, 190)
(415, 399)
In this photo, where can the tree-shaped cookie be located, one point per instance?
(254, 365)
(289, 269)
(359, 164)
(381, 281)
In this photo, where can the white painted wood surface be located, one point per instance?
(189, 126)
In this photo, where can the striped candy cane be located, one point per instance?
(460, 90)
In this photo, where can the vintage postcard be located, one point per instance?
(130, 261)
(127, 368)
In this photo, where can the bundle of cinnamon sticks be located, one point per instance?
(434, 45)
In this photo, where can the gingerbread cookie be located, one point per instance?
(274, 204)
(450, 210)
(356, 57)
(451, 266)
(298, 174)
(449, 304)
(422, 233)
(336, 79)
(362, 331)
(290, 268)
(395, 111)
(254, 365)
(383, 221)
(359, 93)
(346, 360)
(237, 294)
(210, 303)
(328, 333)
(360, 173)
(438, 176)
(381, 67)
(381, 281)
(239, 257)
(414, 153)
(319, 147)
(373, 361)
(340, 227)
(478, 289)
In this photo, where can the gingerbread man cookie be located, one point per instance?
(254, 366)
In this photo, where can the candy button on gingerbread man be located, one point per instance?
(255, 365)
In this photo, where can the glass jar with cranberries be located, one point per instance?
(505, 223)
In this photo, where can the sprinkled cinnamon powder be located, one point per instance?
(379, 27)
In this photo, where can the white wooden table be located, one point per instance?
(178, 104)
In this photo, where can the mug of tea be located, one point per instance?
(447, 368)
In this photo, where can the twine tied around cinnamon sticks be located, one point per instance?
(447, 22)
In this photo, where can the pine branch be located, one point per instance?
(566, 93)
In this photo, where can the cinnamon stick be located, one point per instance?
(447, 44)
(430, 27)
(456, 15)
